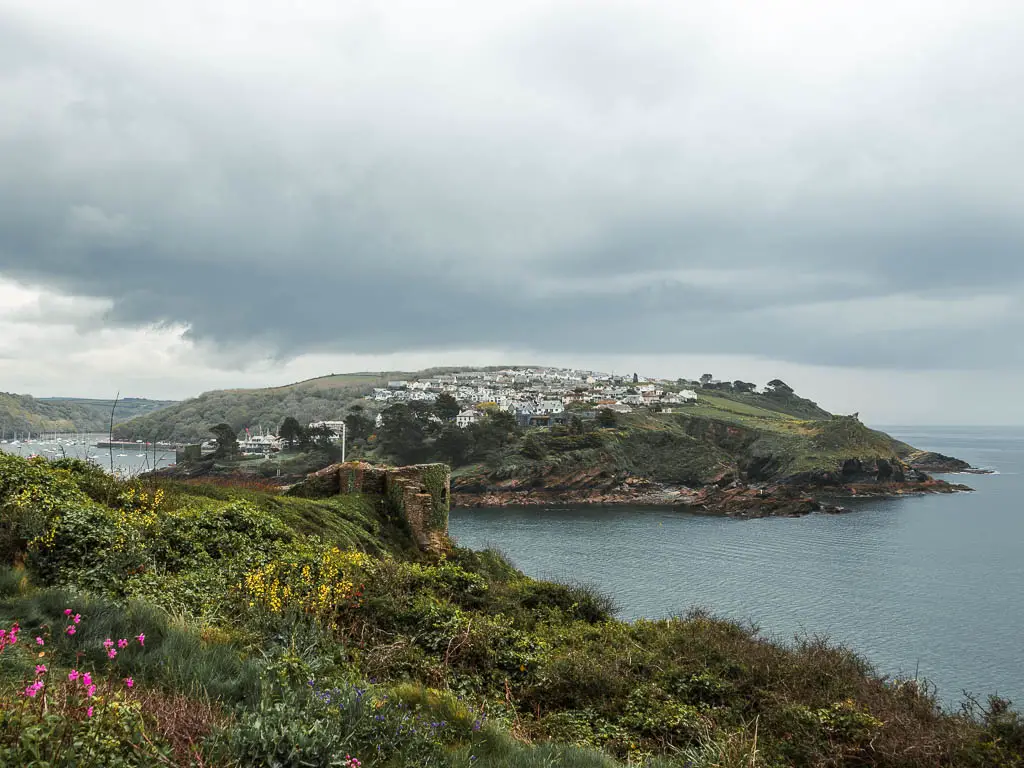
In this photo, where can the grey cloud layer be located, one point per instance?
(835, 191)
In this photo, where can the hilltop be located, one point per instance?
(23, 413)
(321, 398)
(161, 623)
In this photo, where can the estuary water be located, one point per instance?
(931, 586)
(127, 461)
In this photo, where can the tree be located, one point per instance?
(358, 426)
(453, 445)
(291, 431)
(705, 379)
(778, 387)
(534, 447)
(743, 386)
(575, 426)
(402, 434)
(446, 407)
(636, 378)
(227, 440)
(606, 417)
(321, 436)
(493, 433)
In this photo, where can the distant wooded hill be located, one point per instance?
(324, 398)
(24, 413)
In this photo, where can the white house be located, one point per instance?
(548, 407)
(467, 417)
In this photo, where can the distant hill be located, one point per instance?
(322, 398)
(24, 413)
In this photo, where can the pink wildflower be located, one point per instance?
(87, 679)
(67, 611)
(129, 682)
(78, 618)
(71, 630)
(88, 712)
(112, 653)
(91, 691)
(34, 688)
(108, 643)
(40, 669)
(142, 638)
(122, 643)
(73, 675)
(40, 641)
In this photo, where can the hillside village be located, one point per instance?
(539, 396)
(533, 396)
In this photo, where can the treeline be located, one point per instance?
(776, 395)
(412, 433)
(190, 420)
(24, 413)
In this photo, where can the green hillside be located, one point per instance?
(322, 398)
(23, 413)
(154, 623)
(748, 438)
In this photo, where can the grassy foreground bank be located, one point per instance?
(230, 627)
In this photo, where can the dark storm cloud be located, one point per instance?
(361, 183)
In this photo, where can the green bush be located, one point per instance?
(112, 734)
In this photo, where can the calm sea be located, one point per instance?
(930, 586)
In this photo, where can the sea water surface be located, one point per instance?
(928, 586)
(126, 461)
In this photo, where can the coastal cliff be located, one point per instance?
(781, 467)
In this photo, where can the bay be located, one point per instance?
(929, 587)
(126, 461)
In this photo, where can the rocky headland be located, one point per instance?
(728, 494)
(937, 463)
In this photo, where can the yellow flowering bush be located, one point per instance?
(313, 580)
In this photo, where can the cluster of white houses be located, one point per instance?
(537, 396)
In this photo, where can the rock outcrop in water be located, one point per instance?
(930, 461)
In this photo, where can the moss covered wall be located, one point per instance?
(418, 494)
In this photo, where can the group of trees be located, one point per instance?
(775, 387)
(190, 420)
(417, 432)
(24, 413)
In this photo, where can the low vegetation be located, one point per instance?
(160, 623)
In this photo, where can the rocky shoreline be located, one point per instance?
(938, 463)
(733, 500)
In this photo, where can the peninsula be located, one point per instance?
(537, 435)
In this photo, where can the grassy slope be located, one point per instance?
(321, 398)
(444, 639)
(24, 413)
(756, 436)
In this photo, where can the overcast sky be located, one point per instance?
(196, 195)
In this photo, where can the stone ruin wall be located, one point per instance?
(420, 494)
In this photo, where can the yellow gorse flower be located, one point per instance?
(319, 583)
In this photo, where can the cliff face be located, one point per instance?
(711, 465)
